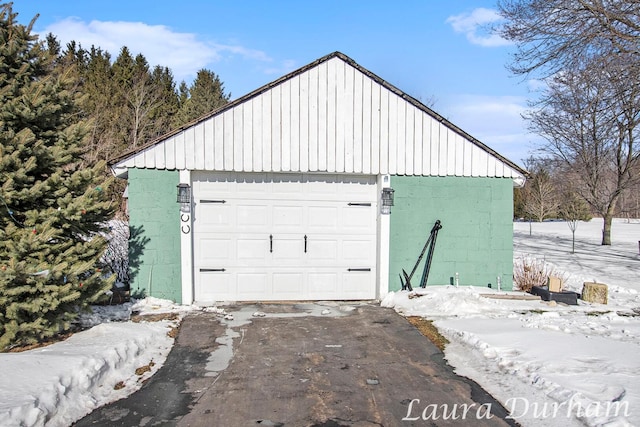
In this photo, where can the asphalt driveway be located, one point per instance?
(301, 365)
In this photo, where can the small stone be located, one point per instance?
(228, 316)
(259, 314)
(325, 312)
(372, 381)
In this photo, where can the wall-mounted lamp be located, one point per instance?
(387, 200)
(184, 197)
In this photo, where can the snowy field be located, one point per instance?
(550, 365)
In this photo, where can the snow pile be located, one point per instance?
(549, 364)
(60, 383)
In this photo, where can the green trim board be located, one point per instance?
(476, 239)
(154, 245)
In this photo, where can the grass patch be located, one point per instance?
(153, 317)
(597, 313)
(427, 329)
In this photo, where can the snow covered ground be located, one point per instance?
(59, 384)
(550, 365)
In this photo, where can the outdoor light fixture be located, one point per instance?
(387, 200)
(184, 197)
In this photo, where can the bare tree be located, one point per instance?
(558, 35)
(588, 52)
(590, 120)
(573, 209)
(540, 201)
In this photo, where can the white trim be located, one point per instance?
(384, 231)
(186, 245)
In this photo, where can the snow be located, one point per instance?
(549, 364)
(60, 383)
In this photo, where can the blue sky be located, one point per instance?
(434, 50)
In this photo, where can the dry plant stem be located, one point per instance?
(530, 272)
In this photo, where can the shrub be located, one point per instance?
(529, 272)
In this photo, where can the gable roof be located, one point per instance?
(331, 115)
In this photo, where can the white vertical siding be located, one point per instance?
(340, 112)
(209, 148)
(256, 134)
(329, 118)
(189, 148)
(358, 127)
(366, 136)
(383, 153)
(267, 153)
(303, 135)
(314, 115)
(417, 141)
(181, 160)
(323, 120)
(375, 129)
(285, 126)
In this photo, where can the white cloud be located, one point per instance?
(183, 53)
(474, 26)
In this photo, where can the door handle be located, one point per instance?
(271, 243)
(305, 243)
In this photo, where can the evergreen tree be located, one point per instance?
(162, 115)
(205, 95)
(98, 105)
(52, 210)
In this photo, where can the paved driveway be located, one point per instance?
(303, 365)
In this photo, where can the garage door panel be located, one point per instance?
(322, 284)
(215, 286)
(213, 216)
(288, 251)
(323, 218)
(251, 251)
(258, 236)
(359, 218)
(287, 186)
(358, 284)
(287, 285)
(252, 285)
(326, 185)
(357, 251)
(287, 218)
(216, 251)
(252, 215)
(321, 250)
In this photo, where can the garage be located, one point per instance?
(284, 236)
(321, 185)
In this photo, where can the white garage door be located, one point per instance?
(260, 236)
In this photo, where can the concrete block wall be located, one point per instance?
(476, 239)
(154, 223)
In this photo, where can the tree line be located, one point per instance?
(586, 56)
(125, 102)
